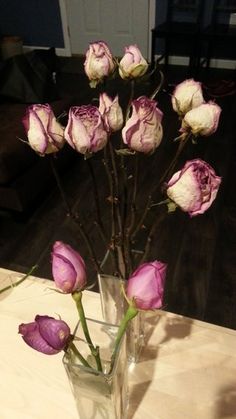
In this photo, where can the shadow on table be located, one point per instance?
(173, 328)
(226, 403)
(170, 328)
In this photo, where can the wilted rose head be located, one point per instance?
(186, 96)
(132, 64)
(194, 188)
(68, 268)
(202, 120)
(85, 130)
(111, 112)
(45, 134)
(99, 62)
(145, 287)
(46, 334)
(143, 130)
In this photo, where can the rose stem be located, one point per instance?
(113, 226)
(99, 222)
(77, 296)
(75, 218)
(150, 237)
(129, 315)
(78, 354)
(149, 200)
(117, 204)
(133, 209)
(58, 181)
(158, 88)
(20, 280)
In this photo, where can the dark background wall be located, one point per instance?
(38, 22)
(224, 51)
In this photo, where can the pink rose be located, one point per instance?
(194, 188)
(132, 64)
(143, 130)
(202, 120)
(145, 287)
(85, 131)
(99, 62)
(46, 334)
(111, 112)
(45, 134)
(68, 268)
(186, 96)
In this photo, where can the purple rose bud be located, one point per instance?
(45, 134)
(145, 287)
(132, 64)
(202, 120)
(46, 334)
(98, 63)
(68, 268)
(111, 112)
(143, 130)
(194, 188)
(85, 131)
(186, 96)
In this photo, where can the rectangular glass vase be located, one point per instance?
(114, 306)
(100, 395)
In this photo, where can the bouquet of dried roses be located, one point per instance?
(125, 135)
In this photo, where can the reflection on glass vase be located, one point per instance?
(100, 395)
(114, 306)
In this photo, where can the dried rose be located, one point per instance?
(99, 62)
(46, 334)
(45, 134)
(143, 130)
(202, 120)
(111, 112)
(85, 131)
(68, 268)
(194, 188)
(186, 96)
(145, 287)
(132, 64)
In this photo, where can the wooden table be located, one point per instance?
(187, 369)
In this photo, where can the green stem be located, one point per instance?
(79, 356)
(77, 296)
(158, 88)
(129, 315)
(20, 280)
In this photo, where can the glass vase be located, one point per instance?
(114, 305)
(100, 395)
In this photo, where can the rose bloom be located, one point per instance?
(145, 287)
(45, 134)
(132, 64)
(85, 130)
(143, 130)
(46, 334)
(202, 120)
(98, 63)
(187, 95)
(111, 112)
(68, 268)
(194, 188)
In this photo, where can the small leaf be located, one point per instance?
(88, 155)
(93, 84)
(171, 206)
(125, 152)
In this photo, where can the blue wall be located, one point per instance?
(38, 22)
